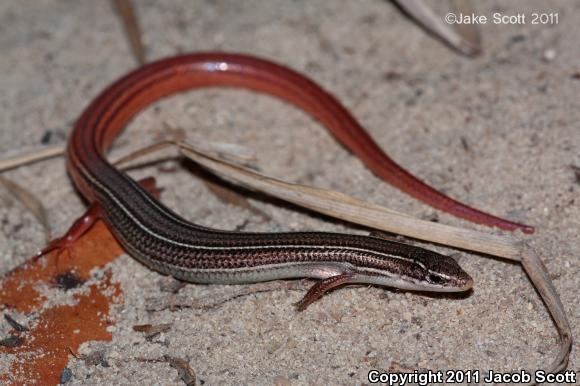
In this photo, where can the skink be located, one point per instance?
(163, 241)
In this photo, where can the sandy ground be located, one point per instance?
(499, 132)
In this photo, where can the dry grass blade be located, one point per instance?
(223, 193)
(230, 151)
(233, 153)
(33, 156)
(30, 202)
(143, 152)
(348, 208)
(339, 205)
(131, 24)
(538, 274)
(469, 32)
(427, 19)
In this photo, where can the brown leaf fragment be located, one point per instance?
(130, 21)
(59, 330)
(151, 330)
(184, 371)
(19, 288)
(142, 327)
(44, 356)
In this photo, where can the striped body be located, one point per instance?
(162, 240)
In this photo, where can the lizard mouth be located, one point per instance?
(467, 284)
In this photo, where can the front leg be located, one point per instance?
(75, 232)
(87, 220)
(318, 289)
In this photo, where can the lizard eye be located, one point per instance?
(434, 279)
